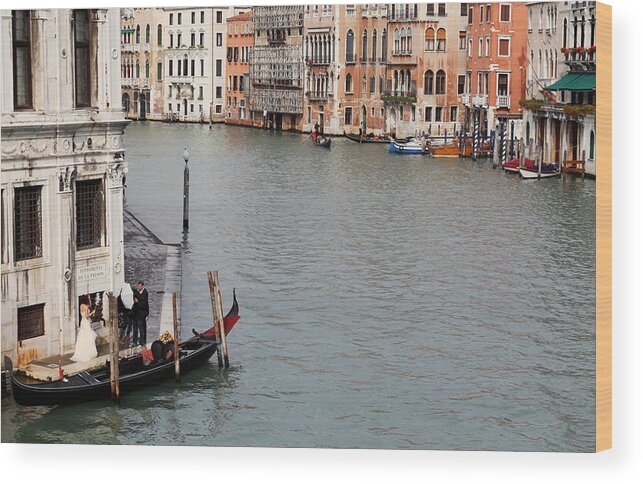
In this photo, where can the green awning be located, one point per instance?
(128, 30)
(575, 81)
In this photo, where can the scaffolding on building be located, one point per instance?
(276, 61)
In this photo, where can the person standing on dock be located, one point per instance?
(140, 311)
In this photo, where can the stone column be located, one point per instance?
(67, 248)
(115, 175)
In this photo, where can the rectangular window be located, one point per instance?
(488, 13)
(81, 58)
(503, 84)
(442, 9)
(503, 47)
(171, 40)
(430, 9)
(201, 39)
(90, 213)
(310, 115)
(192, 67)
(461, 81)
(348, 116)
(178, 40)
(219, 39)
(171, 19)
(169, 107)
(438, 114)
(159, 71)
(170, 72)
(169, 94)
(505, 12)
(192, 39)
(202, 17)
(193, 17)
(219, 67)
(202, 67)
(28, 223)
(219, 92)
(241, 82)
(463, 10)
(31, 322)
(217, 109)
(454, 114)
(463, 40)
(219, 16)
(21, 29)
(178, 18)
(470, 19)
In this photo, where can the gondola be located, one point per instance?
(324, 142)
(133, 372)
(95, 384)
(366, 139)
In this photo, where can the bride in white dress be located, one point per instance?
(86, 338)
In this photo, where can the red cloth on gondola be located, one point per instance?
(147, 356)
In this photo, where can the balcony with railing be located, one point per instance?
(130, 47)
(480, 100)
(503, 101)
(321, 60)
(403, 52)
(129, 82)
(580, 59)
(317, 96)
(398, 93)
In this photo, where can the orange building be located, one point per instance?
(240, 39)
(362, 47)
(496, 63)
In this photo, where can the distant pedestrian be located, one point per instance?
(140, 311)
(125, 302)
(317, 128)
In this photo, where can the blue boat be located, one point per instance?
(406, 148)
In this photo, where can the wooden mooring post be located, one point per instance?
(213, 303)
(224, 342)
(177, 370)
(114, 347)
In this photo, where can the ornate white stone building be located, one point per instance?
(174, 59)
(62, 174)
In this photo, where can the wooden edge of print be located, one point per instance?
(604, 227)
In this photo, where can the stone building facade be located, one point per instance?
(559, 117)
(62, 174)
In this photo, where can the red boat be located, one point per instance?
(513, 166)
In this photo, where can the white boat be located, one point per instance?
(531, 174)
(407, 148)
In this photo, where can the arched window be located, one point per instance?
(147, 70)
(138, 34)
(428, 82)
(384, 46)
(159, 34)
(429, 39)
(374, 46)
(592, 32)
(185, 65)
(364, 45)
(409, 40)
(564, 33)
(395, 82)
(350, 46)
(147, 34)
(349, 83)
(408, 80)
(396, 40)
(441, 37)
(591, 145)
(440, 82)
(402, 82)
(138, 70)
(575, 32)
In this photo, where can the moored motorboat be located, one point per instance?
(407, 147)
(511, 166)
(536, 170)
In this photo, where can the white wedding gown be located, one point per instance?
(85, 342)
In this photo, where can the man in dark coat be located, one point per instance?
(140, 311)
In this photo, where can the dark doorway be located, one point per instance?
(142, 106)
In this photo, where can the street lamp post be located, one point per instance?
(186, 190)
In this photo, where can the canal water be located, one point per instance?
(387, 301)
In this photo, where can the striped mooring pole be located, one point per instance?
(504, 142)
(475, 135)
(511, 149)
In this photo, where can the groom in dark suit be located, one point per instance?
(140, 311)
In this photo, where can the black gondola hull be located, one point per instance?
(78, 389)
